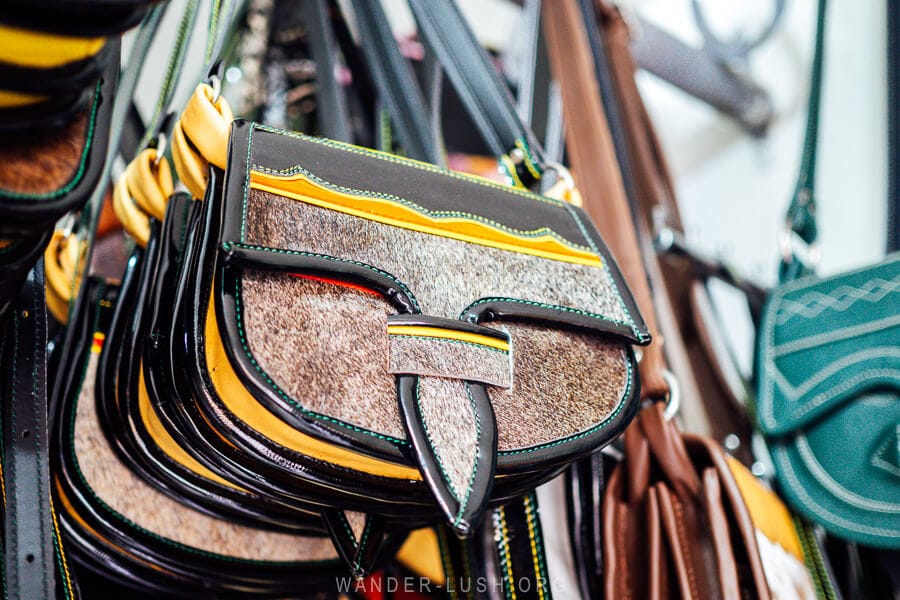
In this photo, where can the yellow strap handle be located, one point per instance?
(142, 191)
(200, 138)
(150, 183)
(63, 265)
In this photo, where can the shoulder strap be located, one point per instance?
(893, 85)
(333, 113)
(395, 82)
(444, 30)
(28, 549)
(596, 169)
(800, 220)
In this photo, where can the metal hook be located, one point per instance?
(673, 402)
(216, 85)
(160, 148)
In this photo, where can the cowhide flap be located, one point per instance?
(478, 328)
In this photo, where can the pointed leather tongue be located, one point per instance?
(358, 538)
(443, 368)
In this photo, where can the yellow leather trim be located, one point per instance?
(768, 513)
(448, 334)
(166, 442)
(382, 210)
(97, 343)
(421, 554)
(133, 219)
(25, 48)
(208, 125)
(245, 407)
(66, 575)
(15, 99)
(150, 184)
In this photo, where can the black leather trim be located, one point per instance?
(29, 567)
(462, 518)
(430, 187)
(56, 80)
(22, 215)
(83, 18)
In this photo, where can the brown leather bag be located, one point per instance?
(675, 522)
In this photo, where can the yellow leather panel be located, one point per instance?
(768, 513)
(25, 48)
(382, 210)
(421, 554)
(448, 334)
(166, 442)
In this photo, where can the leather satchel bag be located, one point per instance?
(350, 353)
(828, 374)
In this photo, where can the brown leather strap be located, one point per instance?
(596, 170)
(706, 407)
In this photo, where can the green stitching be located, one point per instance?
(348, 529)
(585, 433)
(534, 526)
(361, 547)
(503, 548)
(81, 165)
(246, 183)
(414, 164)
(445, 340)
(446, 560)
(441, 214)
(612, 280)
(284, 396)
(465, 502)
(432, 444)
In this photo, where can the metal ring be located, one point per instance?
(673, 402)
(162, 142)
(562, 173)
(216, 85)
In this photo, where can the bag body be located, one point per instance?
(829, 374)
(435, 315)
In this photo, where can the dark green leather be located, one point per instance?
(829, 399)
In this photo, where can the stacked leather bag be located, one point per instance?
(328, 370)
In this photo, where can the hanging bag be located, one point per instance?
(828, 373)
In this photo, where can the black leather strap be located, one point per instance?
(333, 113)
(445, 31)
(395, 82)
(585, 484)
(28, 557)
